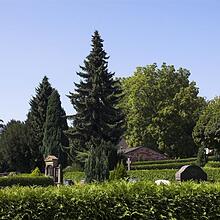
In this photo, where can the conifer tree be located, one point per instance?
(54, 141)
(96, 167)
(36, 120)
(95, 100)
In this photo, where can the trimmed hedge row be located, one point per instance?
(75, 176)
(150, 175)
(176, 165)
(25, 181)
(117, 200)
(146, 162)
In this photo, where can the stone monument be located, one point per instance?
(191, 172)
(53, 169)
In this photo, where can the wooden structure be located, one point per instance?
(53, 169)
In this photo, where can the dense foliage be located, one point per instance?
(119, 200)
(54, 140)
(14, 149)
(151, 175)
(147, 162)
(26, 181)
(119, 172)
(36, 119)
(176, 165)
(213, 164)
(44, 121)
(207, 130)
(161, 108)
(95, 100)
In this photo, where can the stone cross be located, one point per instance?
(129, 163)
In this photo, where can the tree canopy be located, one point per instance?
(14, 149)
(161, 108)
(207, 130)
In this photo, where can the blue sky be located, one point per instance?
(45, 37)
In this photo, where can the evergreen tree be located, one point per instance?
(96, 167)
(14, 149)
(36, 120)
(54, 139)
(95, 100)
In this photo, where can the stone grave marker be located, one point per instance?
(191, 172)
(129, 163)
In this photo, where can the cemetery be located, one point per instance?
(135, 138)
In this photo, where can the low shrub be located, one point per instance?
(116, 200)
(36, 172)
(119, 172)
(25, 181)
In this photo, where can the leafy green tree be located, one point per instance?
(95, 100)
(36, 120)
(161, 108)
(55, 141)
(14, 147)
(207, 130)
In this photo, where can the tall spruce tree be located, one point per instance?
(36, 120)
(55, 141)
(95, 100)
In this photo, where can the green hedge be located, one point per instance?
(147, 162)
(25, 181)
(176, 165)
(117, 200)
(151, 175)
(75, 176)
(213, 164)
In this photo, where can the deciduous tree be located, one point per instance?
(161, 108)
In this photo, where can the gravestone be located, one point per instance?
(191, 172)
(129, 163)
(53, 169)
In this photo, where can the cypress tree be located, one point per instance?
(54, 139)
(95, 100)
(96, 167)
(36, 120)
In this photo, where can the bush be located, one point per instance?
(116, 200)
(36, 172)
(25, 181)
(119, 172)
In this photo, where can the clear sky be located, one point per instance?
(51, 37)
